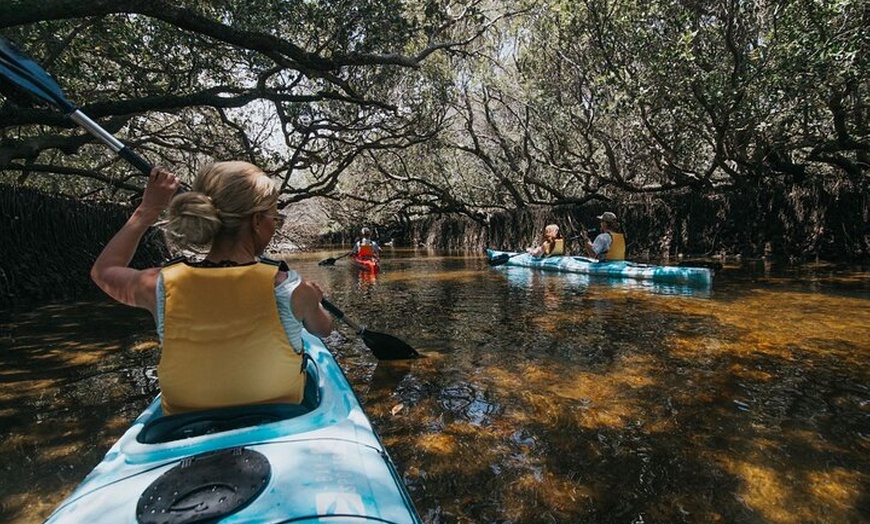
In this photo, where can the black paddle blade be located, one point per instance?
(331, 261)
(384, 347)
(20, 70)
(387, 347)
(499, 259)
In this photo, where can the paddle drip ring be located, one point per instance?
(205, 488)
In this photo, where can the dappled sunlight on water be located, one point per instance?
(542, 397)
(73, 376)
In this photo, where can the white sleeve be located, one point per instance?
(602, 243)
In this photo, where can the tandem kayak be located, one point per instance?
(367, 263)
(320, 461)
(691, 276)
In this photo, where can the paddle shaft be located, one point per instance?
(114, 144)
(330, 261)
(382, 346)
(339, 314)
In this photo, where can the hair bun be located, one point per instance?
(193, 219)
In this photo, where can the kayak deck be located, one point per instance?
(325, 462)
(692, 276)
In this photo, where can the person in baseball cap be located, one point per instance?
(608, 217)
(608, 245)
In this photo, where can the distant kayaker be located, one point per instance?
(230, 324)
(608, 245)
(365, 246)
(552, 244)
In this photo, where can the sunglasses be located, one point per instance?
(279, 219)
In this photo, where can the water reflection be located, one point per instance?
(532, 279)
(366, 281)
(467, 403)
(543, 397)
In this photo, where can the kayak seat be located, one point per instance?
(205, 422)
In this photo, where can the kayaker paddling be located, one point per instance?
(366, 252)
(365, 246)
(242, 440)
(319, 461)
(608, 245)
(231, 324)
(552, 243)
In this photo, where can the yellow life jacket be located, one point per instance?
(365, 250)
(557, 249)
(223, 341)
(617, 247)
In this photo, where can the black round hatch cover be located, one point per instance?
(205, 488)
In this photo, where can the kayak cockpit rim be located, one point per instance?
(161, 429)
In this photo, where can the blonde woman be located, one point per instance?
(552, 244)
(230, 325)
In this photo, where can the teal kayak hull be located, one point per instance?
(324, 465)
(689, 276)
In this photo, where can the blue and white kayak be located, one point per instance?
(317, 462)
(692, 276)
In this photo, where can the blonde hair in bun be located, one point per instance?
(223, 196)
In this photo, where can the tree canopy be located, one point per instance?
(392, 110)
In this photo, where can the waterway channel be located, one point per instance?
(543, 397)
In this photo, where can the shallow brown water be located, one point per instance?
(544, 397)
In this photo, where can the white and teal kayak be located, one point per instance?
(692, 276)
(317, 462)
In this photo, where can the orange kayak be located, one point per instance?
(367, 263)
